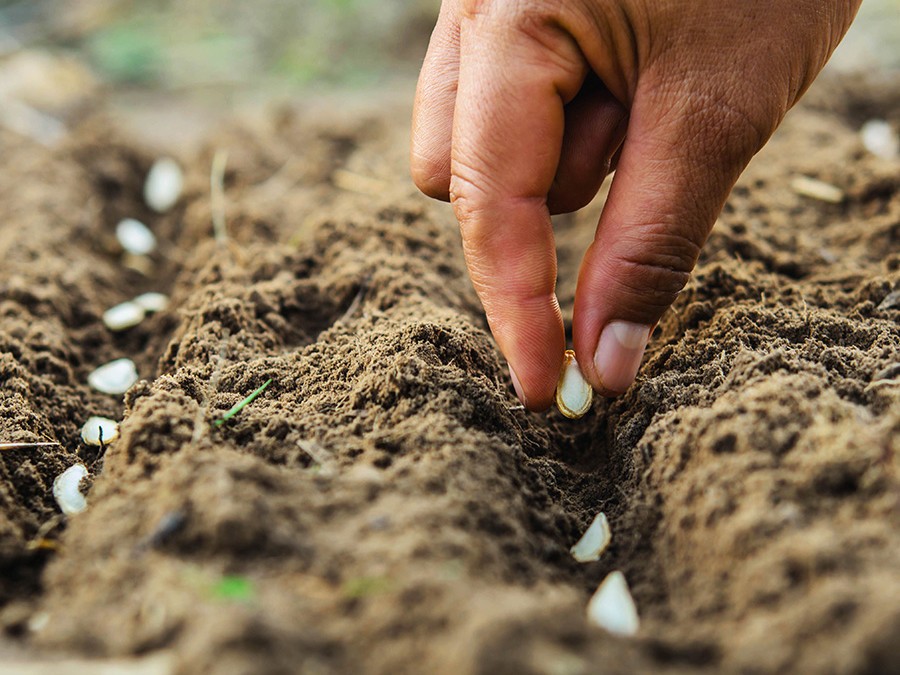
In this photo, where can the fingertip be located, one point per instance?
(435, 99)
(536, 389)
(533, 343)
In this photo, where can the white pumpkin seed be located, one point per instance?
(880, 139)
(573, 393)
(123, 316)
(594, 540)
(152, 302)
(612, 607)
(115, 377)
(98, 429)
(135, 237)
(163, 185)
(66, 492)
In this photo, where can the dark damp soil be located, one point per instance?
(385, 506)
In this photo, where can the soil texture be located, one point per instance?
(385, 505)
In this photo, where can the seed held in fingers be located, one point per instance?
(574, 394)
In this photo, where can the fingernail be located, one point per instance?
(619, 354)
(516, 384)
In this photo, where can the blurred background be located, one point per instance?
(225, 43)
(196, 59)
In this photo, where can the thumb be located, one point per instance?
(681, 157)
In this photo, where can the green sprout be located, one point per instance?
(237, 407)
(361, 587)
(235, 588)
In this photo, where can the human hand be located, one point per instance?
(521, 107)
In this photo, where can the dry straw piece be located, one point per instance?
(25, 445)
(573, 393)
(817, 189)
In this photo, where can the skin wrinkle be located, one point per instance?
(656, 288)
(654, 192)
(499, 320)
(469, 186)
(468, 181)
(572, 64)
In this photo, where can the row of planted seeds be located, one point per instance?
(162, 189)
(611, 607)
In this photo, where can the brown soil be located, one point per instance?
(385, 506)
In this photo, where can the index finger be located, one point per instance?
(514, 78)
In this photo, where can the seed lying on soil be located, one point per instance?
(594, 541)
(135, 237)
(115, 377)
(163, 185)
(817, 189)
(573, 393)
(123, 316)
(66, 492)
(99, 431)
(152, 302)
(612, 607)
(880, 139)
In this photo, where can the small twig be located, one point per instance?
(357, 182)
(40, 540)
(874, 384)
(26, 446)
(315, 451)
(217, 195)
(356, 302)
(237, 407)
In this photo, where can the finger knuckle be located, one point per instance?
(470, 9)
(734, 129)
(468, 200)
